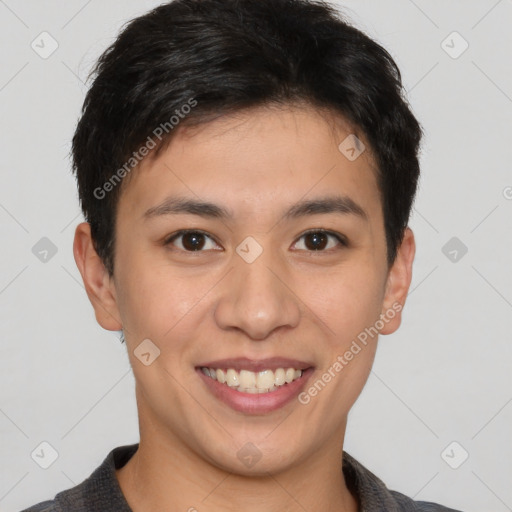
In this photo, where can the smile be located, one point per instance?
(246, 381)
(255, 387)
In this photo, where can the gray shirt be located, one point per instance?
(100, 492)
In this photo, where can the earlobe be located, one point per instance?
(96, 280)
(398, 283)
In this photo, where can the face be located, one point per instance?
(252, 245)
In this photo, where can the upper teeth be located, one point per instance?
(251, 382)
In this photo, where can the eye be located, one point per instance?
(318, 240)
(197, 241)
(192, 240)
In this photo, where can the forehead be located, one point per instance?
(261, 156)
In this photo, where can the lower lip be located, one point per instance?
(259, 403)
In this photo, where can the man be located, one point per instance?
(246, 169)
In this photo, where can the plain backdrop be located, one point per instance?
(440, 390)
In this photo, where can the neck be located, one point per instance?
(166, 474)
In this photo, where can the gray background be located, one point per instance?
(445, 376)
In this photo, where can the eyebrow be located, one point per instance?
(332, 204)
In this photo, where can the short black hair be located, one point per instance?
(187, 62)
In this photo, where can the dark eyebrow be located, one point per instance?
(173, 205)
(332, 204)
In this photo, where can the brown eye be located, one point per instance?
(318, 240)
(191, 241)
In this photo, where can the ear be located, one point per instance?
(98, 284)
(397, 285)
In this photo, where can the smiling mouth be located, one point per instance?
(246, 381)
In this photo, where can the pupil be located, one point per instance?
(316, 237)
(197, 241)
(195, 238)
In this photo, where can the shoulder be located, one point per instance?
(100, 492)
(373, 495)
(406, 504)
(43, 506)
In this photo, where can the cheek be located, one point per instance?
(152, 300)
(347, 301)
(162, 307)
(351, 342)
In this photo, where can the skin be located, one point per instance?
(292, 301)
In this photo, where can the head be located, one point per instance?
(281, 135)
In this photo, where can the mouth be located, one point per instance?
(255, 387)
(246, 381)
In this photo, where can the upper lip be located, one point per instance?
(256, 365)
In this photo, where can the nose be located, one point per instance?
(257, 298)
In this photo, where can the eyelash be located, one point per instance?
(340, 238)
